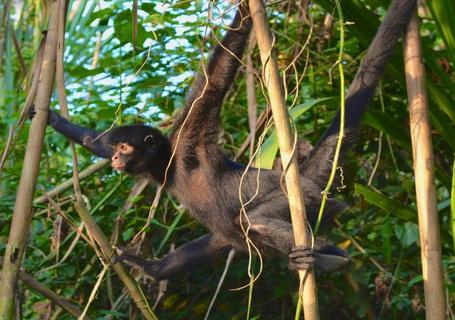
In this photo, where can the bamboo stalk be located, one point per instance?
(285, 140)
(23, 207)
(251, 94)
(430, 241)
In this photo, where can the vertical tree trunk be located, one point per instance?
(286, 141)
(430, 241)
(23, 207)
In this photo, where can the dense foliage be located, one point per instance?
(135, 66)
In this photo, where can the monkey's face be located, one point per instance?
(138, 150)
(123, 152)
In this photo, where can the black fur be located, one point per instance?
(206, 182)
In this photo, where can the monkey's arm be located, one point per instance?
(361, 91)
(181, 259)
(210, 87)
(81, 135)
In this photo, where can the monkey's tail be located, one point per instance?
(318, 165)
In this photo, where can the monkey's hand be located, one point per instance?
(31, 112)
(301, 258)
(147, 267)
(53, 116)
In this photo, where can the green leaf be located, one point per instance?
(441, 100)
(155, 19)
(389, 205)
(443, 12)
(182, 4)
(103, 14)
(123, 27)
(269, 148)
(148, 7)
(384, 122)
(81, 72)
(416, 280)
(439, 121)
(407, 233)
(127, 234)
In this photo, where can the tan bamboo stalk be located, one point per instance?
(430, 241)
(251, 93)
(285, 140)
(95, 232)
(23, 207)
(36, 286)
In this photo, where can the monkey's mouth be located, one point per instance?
(118, 165)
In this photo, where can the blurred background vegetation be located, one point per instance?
(107, 42)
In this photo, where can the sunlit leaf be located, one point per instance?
(269, 148)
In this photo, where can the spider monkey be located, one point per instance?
(207, 182)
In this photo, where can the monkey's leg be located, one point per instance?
(278, 234)
(181, 259)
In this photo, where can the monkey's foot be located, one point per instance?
(301, 258)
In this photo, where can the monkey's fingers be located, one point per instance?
(133, 260)
(325, 259)
(301, 258)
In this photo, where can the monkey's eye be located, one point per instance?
(125, 148)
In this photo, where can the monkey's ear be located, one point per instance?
(151, 140)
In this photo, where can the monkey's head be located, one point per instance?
(138, 150)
